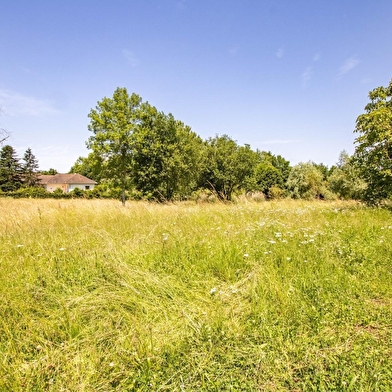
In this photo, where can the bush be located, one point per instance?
(32, 192)
(275, 192)
(59, 194)
(76, 193)
(255, 196)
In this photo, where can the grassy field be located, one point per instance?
(273, 296)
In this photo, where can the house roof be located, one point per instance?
(72, 178)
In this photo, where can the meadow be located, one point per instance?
(269, 296)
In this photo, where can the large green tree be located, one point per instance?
(227, 166)
(373, 152)
(113, 122)
(267, 176)
(10, 170)
(166, 156)
(270, 173)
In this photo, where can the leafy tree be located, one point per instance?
(30, 169)
(10, 170)
(188, 157)
(373, 152)
(228, 166)
(278, 162)
(345, 179)
(91, 167)
(306, 182)
(166, 156)
(50, 172)
(112, 123)
(267, 176)
(324, 170)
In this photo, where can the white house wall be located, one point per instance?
(68, 187)
(53, 187)
(80, 186)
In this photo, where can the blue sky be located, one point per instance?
(288, 76)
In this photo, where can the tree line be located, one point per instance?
(149, 154)
(139, 152)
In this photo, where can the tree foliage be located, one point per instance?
(50, 172)
(112, 123)
(91, 166)
(306, 182)
(227, 166)
(10, 170)
(166, 156)
(29, 169)
(267, 176)
(137, 147)
(373, 152)
(345, 180)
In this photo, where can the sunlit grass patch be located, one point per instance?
(272, 296)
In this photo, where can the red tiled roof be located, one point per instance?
(72, 178)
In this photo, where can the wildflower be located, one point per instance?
(165, 237)
(19, 246)
(62, 249)
(111, 364)
(213, 291)
(246, 255)
(272, 242)
(288, 258)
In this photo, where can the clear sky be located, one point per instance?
(288, 76)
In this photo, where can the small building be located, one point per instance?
(65, 182)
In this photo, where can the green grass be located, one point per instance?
(277, 296)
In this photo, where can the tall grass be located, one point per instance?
(277, 296)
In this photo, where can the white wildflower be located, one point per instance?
(213, 291)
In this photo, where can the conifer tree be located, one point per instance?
(10, 170)
(30, 169)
